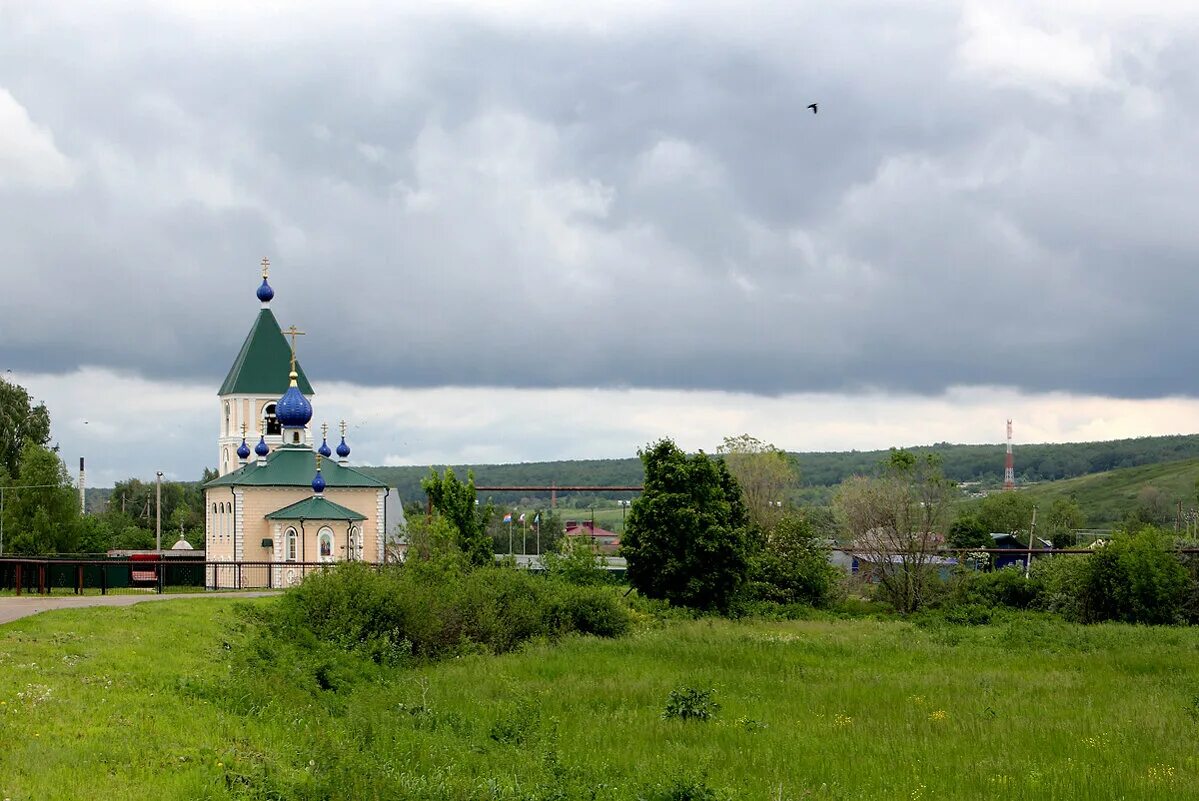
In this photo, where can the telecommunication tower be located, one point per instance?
(1009, 466)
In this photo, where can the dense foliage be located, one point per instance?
(1137, 577)
(688, 540)
(792, 566)
(455, 500)
(430, 610)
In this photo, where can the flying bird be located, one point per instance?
(813, 107)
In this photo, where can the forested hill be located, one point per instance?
(983, 463)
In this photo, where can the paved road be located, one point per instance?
(13, 608)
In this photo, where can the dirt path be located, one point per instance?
(15, 608)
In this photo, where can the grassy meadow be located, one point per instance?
(151, 701)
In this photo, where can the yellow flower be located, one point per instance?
(842, 720)
(940, 714)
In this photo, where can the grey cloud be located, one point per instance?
(451, 200)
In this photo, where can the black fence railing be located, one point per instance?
(91, 576)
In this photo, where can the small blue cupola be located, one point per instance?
(243, 450)
(265, 293)
(262, 449)
(323, 450)
(293, 410)
(343, 450)
(318, 481)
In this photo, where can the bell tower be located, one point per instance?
(261, 374)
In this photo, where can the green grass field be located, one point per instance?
(146, 702)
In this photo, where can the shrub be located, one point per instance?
(1059, 580)
(793, 566)
(575, 562)
(1135, 578)
(1006, 587)
(427, 611)
(688, 703)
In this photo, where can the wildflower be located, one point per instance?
(940, 714)
(841, 721)
(918, 700)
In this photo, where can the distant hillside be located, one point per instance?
(1107, 498)
(819, 471)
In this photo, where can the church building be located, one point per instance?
(284, 500)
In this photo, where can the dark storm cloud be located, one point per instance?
(471, 200)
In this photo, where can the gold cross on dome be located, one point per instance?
(343, 429)
(324, 430)
(243, 430)
(293, 332)
(266, 267)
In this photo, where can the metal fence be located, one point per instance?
(50, 576)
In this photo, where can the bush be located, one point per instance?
(688, 703)
(1135, 578)
(793, 566)
(428, 611)
(1058, 580)
(1006, 587)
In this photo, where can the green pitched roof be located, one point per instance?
(262, 365)
(294, 466)
(315, 508)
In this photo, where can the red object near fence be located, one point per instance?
(138, 574)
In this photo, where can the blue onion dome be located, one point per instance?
(293, 410)
(262, 449)
(318, 481)
(243, 450)
(323, 450)
(265, 293)
(343, 450)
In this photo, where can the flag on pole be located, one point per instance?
(508, 517)
(521, 519)
(537, 519)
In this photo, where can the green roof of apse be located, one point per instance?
(294, 466)
(262, 365)
(315, 508)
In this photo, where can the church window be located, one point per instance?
(228, 427)
(225, 459)
(352, 550)
(291, 544)
(324, 544)
(272, 422)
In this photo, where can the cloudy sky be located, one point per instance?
(529, 229)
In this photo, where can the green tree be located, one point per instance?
(687, 537)
(21, 423)
(896, 521)
(1006, 512)
(41, 507)
(765, 474)
(457, 501)
(1136, 578)
(968, 531)
(793, 565)
(1064, 518)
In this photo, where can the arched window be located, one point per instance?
(225, 459)
(354, 545)
(272, 422)
(228, 424)
(221, 520)
(290, 539)
(324, 545)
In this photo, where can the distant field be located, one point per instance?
(141, 703)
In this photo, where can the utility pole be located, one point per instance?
(158, 512)
(1032, 533)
